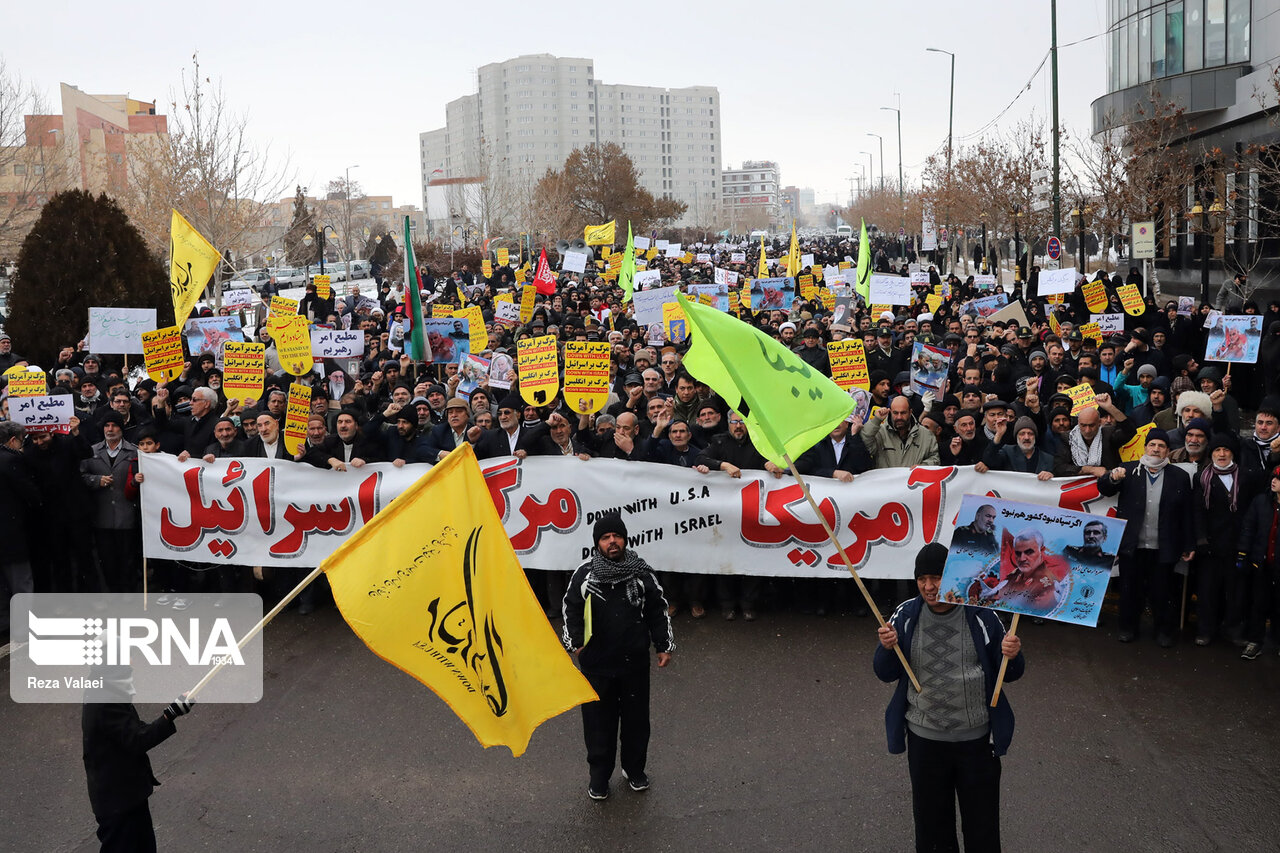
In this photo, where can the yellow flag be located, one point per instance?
(432, 586)
(192, 260)
(599, 235)
(763, 272)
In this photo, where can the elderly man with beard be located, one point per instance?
(443, 439)
(510, 437)
(964, 447)
(1195, 443)
(225, 441)
(905, 444)
(1157, 502)
(617, 594)
(269, 443)
(1023, 455)
(349, 447)
(1091, 449)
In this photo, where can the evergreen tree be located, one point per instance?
(297, 253)
(82, 252)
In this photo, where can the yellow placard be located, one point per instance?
(442, 309)
(244, 366)
(828, 298)
(1091, 330)
(586, 375)
(486, 268)
(296, 412)
(520, 275)
(31, 383)
(849, 364)
(674, 324)
(817, 272)
(745, 297)
(1132, 450)
(651, 254)
(293, 346)
(1054, 326)
(844, 265)
(1131, 299)
(479, 334)
(324, 287)
(503, 256)
(162, 352)
(283, 306)
(527, 295)
(808, 290)
(933, 300)
(1082, 397)
(878, 309)
(504, 297)
(1095, 295)
(538, 368)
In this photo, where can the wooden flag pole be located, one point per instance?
(257, 629)
(1004, 662)
(849, 565)
(144, 584)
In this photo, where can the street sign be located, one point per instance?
(1039, 176)
(902, 232)
(1144, 239)
(1053, 248)
(1039, 205)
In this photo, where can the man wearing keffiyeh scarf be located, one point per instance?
(613, 609)
(1224, 490)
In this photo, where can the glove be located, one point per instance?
(178, 707)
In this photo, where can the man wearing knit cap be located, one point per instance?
(952, 737)
(613, 609)
(1156, 502)
(1023, 455)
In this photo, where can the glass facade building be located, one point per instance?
(1148, 40)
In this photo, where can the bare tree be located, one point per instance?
(210, 169)
(33, 163)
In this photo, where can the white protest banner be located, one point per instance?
(648, 303)
(239, 298)
(890, 290)
(920, 279)
(277, 513)
(1108, 323)
(506, 314)
(674, 250)
(43, 414)
(119, 330)
(646, 279)
(663, 244)
(806, 260)
(1057, 281)
(737, 257)
(640, 243)
(574, 261)
(984, 282)
(725, 276)
(336, 343)
(702, 258)
(830, 271)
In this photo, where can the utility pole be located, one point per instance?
(851, 180)
(881, 138)
(1053, 54)
(902, 200)
(951, 115)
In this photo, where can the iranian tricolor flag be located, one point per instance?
(415, 341)
(543, 280)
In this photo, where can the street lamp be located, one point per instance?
(346, 226)
(902, 204)
(881, 138)
(1017, 245)
(1209, 218)
(951, 113)
(871, 166)
(318, 236)
(1077, 215)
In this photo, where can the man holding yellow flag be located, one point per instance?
(613, 609)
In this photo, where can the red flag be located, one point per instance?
(543, 280)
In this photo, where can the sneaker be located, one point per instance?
(1251, 651)
(180, 604)
(638, 782)
(598, 793)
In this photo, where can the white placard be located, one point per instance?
(43, 414)
(984, 282)
(737, 257)
(674, 249)
(725, 276)
(1108, 323)
(647, 279)
(661, 245)
(919, 278)
(830, 271)
(119, 330)
(574, 261)
(648, 303)
(806, 260)
(239, 298)
(890, 290)
(1057, 281)
(703, 258)
(336, 343)
(640, 244)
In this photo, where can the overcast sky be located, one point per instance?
(334, 84)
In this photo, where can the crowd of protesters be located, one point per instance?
(71, 501)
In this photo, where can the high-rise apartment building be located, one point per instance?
(530, 112)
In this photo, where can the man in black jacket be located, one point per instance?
(1156, 500)
(613, 609)
(116, 742)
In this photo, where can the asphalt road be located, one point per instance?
(767, 736)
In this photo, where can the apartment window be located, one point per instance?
(574, 132)
(19, 169)
(1238, 31)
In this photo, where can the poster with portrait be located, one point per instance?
(1233, 338)
(1030, 558)
(448, 338)
(207, 334)
(772, 294)
(473, 369)
(929, 366)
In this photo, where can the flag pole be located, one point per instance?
(1004, 662)
(257, 629)
(804, 487)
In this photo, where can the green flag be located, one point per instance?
(628, 272)
(415, 342)
(863, 283)
(789, 406)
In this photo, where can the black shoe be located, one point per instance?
(637, 782)
(1164, 641)
(1128, 636)
(598, 793)
(1251, 651)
